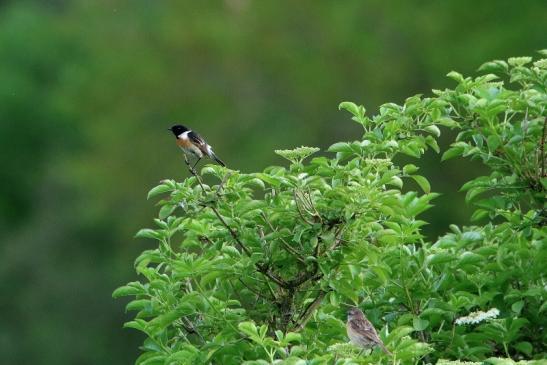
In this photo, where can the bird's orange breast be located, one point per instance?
(184, 142)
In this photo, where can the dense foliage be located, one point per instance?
(261, 267)
(79, 76)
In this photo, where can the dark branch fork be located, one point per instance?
(284, 300)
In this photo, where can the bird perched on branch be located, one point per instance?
(361, 332)
(193, 146)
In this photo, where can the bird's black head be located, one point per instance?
(178, 129)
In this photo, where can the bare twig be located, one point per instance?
(232, 232)
(254, 290)
(273, 277)
(308, 197)
(299, 210)
(286, 245)
(262, 268)
(224, 179)
(542, 148)
(308, 312)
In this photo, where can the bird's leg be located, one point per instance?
(188, 163)
(193, 167)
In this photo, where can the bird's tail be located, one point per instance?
(218, 160)
(384, 348)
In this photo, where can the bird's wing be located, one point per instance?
(366, 329)
(198, 141)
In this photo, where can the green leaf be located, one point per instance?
(158, 190)
(138, 324)
(420, 324)
(231, 251)
(479, 214)
(455, 76)
(525, 347)
(166, 210)
(433, 129)
(350, 107)
(340, 147)
(493, 142)
(158, 324)
(293, 337)
(133, 288)
(517, 306)
(422, 182)
(396, 181)
(358, 111)
(519, 61)
(494, 66)
(268, 179)
(447, 122)
(148, 233)
(440, 258)
(137, 305)
(451, 153)
(410, 169)
(248, 328)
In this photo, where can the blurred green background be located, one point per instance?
(88, 88)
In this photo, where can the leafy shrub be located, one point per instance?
(260, 268)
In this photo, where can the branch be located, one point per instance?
(232, 232)
(273, 277)
(260, 267)
(298, 209)
(224, 179)
(286, 245)
(542, 148)
(306, 315)
(253, 290)
(193, 172)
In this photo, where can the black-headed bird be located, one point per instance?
(193, 145)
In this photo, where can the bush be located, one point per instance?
(260, 268)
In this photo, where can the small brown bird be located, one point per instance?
(361, 332)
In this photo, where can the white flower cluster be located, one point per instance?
(477, 317)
